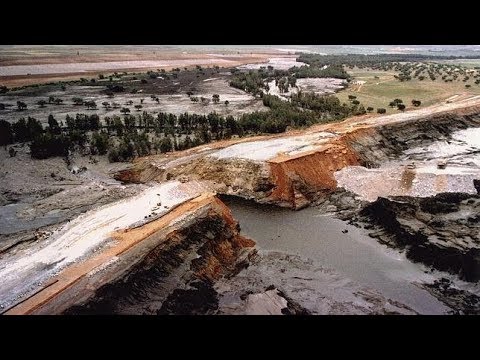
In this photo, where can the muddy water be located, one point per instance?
(353, 254)
(10, 223)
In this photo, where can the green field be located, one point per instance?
(378, 93)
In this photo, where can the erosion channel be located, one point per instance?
(385, 222)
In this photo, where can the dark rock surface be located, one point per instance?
(390, 140)
(442, 231)
(464, 302)
(476, 183)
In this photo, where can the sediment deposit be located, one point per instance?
(295, 169)
(168, 250)
(98, 251)
(442, 231)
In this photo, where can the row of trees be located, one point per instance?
(117, 136)
(128, 136)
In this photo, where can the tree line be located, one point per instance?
(123, 138)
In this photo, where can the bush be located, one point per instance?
(381, 110)
(49, 145)
(113, 155)
(123, 152)
(273, 126)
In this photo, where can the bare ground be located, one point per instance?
(172, 97)
(166, 60)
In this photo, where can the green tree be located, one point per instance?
(216, 98)
(77, 101)
(129, 121)
(90, 104)
(401, 107)
(166, 145)
(20, 130)
(381, 110)
(53, 126)
(100, 142)
(118, 125)
(48, 145)
(21, 105)
(34, 127)
(6, 133)
(41, 103)
(369, 109)
(126, 150)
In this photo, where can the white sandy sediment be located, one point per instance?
(24, 272)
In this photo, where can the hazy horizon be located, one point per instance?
(448, 50)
